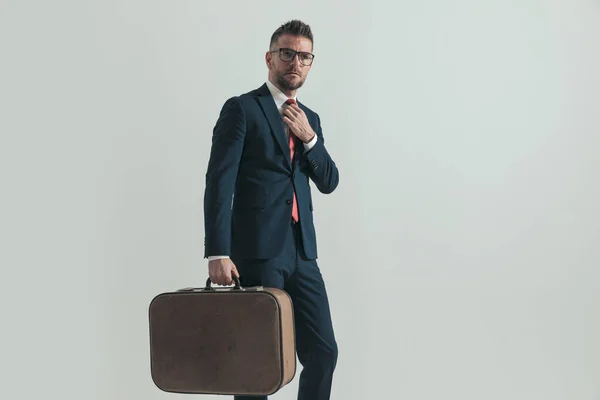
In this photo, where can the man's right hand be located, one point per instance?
(220, 271)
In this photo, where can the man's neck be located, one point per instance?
(289, 93)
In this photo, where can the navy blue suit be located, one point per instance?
(250, 182)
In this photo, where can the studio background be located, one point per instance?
(460, 250)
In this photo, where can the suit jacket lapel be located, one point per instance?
(275, 121)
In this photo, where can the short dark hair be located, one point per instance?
(293, 27)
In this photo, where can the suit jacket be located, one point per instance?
(250, 179)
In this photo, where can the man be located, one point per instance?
(265, 151)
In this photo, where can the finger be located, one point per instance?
(297, 111)
(294, 110)
(288, 113)
(292, 120)
(288, 120)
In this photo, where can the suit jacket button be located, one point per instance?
(289, 202)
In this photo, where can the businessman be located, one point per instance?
(267, 147)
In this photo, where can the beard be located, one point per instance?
(287, 85)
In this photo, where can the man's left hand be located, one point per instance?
(295, 118)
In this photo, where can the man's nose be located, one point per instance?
(296, 60)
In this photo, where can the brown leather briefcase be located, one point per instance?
(222, 340)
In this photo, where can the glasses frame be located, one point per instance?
(296, 53)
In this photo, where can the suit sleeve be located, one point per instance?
(323, 171)
(221, 175)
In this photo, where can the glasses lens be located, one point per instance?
(287, 55)
(305, 59)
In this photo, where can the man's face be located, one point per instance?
(289, 75)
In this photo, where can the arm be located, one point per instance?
(226, 151)
(322, 169)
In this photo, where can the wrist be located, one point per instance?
(309, 139)
(212, 258)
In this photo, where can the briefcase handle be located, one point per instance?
(236, 282)
(208, 287)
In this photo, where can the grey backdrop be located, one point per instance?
(460, 250)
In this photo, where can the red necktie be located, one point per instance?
(292, 145)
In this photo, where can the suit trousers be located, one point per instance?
(315, 341)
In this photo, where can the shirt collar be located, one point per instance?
(278, 96)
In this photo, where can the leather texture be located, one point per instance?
(222, 341)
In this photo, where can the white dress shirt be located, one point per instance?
(280, 98)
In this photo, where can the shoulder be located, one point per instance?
(251, 94)
(241, 101)
(246, 99)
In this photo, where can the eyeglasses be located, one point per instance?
(287, 55)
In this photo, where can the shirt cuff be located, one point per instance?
(216, 257)
(310, 145)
